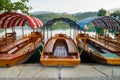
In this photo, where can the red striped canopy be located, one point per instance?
(12, 19)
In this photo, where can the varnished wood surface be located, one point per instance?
(98, 56)
(107, 46)
(60, 50)
(6, 48)
(49, 46)
(71, 46)
(22, 54)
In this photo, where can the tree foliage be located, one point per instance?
(116, 13)
(84, 15)
(8, 6)
(75, 17)
(101, 12)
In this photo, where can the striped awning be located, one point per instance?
(12, 19)
(101, 22)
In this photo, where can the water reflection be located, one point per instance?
(67, 31)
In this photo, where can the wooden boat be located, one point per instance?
(60, 50)
(17, 49)
(98, 50)
(20, 50)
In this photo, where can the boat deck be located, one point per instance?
(108, 46)
(19, 53)
(60, 51)
(104, 53)
(6, 48)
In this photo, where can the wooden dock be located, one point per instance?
(80, 72)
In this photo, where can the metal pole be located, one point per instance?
(44, 34)
(37, 29)
(22, 31)
(6, 35)
(70, 31)
(59, 75)
(12, 29)
(47, 33)
(40, 29)
(51, 31)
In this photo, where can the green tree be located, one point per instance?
(8, 6)
(101, 12)
(117, 13)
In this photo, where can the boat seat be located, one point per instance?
(49, 47)
(71, 46)
(6, 48)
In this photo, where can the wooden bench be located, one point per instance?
(71, 46)
(49, 46)
(7, 48)
(107, 46)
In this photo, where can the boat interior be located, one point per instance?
(21, 47)
(59, 47)
(100, 45)
(20, 50)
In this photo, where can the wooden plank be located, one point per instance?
(48, 48)
(71, 46)
(6, 48)
(108, 46)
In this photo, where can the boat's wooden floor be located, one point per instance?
(103, 52)
(6, 48)
(60, 51)
(107, 46)
(25, 49)
(19, 53)
(55, 57)
(71, 46)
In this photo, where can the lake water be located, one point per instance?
(28, 31)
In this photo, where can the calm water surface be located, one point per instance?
(67, 31)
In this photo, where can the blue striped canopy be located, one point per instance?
(85, 22)
(101, 22)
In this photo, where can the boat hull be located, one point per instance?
(60, 62)
(24, 50)
(60, 51)
(109, 61)
(11, 62)
(96, 56)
